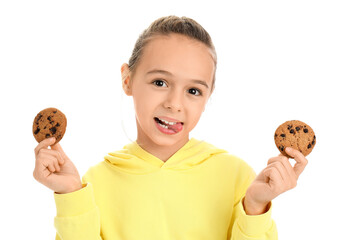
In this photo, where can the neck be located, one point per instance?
(163, 152)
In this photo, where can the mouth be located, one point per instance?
(168, 127)
(162, 121)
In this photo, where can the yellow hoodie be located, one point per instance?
(131, 195)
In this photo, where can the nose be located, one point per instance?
(174, 101)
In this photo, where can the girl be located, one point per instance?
(166, 185)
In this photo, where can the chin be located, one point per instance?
(168, 140)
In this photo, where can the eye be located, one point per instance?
(195, 91)
(159, 82)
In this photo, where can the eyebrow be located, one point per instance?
(170, 74)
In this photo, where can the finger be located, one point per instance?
(300, 159)
(292, 177)
(53, 156)
(287, 173)
(58, 148)
(48, 162)
(290, 170)
(275, 179)
(56, 165)
(275, 159)
(53, 153)
(280, 168)
(44, 144)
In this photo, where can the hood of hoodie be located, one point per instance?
(134, 159)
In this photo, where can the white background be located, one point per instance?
(277, 61)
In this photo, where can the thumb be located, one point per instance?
(44, 144)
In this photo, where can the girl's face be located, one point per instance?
(172, 82)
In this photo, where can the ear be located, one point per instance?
(126, 83)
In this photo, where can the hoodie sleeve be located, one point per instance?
(251, 227)
(77, 215)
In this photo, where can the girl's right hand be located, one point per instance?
(54, 169)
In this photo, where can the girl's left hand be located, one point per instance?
(278, 177)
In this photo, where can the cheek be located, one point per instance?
(142, 109)
(144, 103)
(195, 112)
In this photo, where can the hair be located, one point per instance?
(172, 24)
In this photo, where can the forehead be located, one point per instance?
(178, 54)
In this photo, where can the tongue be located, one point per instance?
(176, 127)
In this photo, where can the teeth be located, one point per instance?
(170, 123)
(164, 126)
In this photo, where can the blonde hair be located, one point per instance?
(172, 24)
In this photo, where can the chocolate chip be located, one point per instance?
(37, 130)
(53, 130)
(49, 118)
(292, 131)
(314, 137)
(289, 127)
(313, 142)
(275, 135)
(57, 125)
(38, 117)
(305, 130)
(283, 135)
(297, 128)
(48, 135)
(54, 112)
(309, 145)
(281, 148)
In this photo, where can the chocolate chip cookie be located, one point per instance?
(295, 134)
(50, 122)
